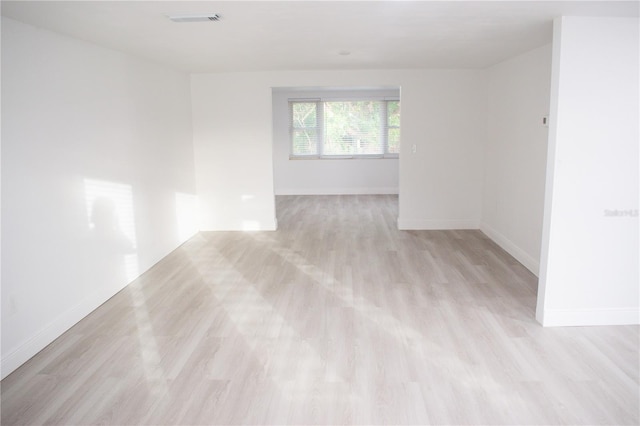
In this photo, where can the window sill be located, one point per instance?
(344, 157)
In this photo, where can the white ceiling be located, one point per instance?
(303, 35)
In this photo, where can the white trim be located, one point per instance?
(28, 349)
(338, 191)
(343, 98)
(510, 247)
(273, 226)
(53, 330)
(248, 226)
(591, 317)
(345, 157)
(404, 224)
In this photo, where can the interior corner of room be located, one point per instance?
(89, 132)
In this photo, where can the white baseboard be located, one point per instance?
(337, 191)
(590, 317)
(52, 331)
(510, 247)
(25, 351)
(246, 226)
(272, 225)
(427, 225)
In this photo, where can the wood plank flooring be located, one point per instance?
(336, 318)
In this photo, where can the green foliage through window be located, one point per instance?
(304, 128)
(345, 128)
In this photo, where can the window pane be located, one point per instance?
(394, 141)
(352, 128)
(303, 114)
(393, 112)
(304, 141)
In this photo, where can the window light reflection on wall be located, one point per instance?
(186, 207)
(112, 221)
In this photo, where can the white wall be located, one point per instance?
(443, 115)
(589, 263)
(90, 137)
(516, 154)
(327, 176)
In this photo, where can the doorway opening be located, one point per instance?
(336, 141)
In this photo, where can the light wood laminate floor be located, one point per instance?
(336, 318)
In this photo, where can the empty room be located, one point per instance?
(320, 212)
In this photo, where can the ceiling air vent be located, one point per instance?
(195, 17)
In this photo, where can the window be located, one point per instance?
(344, 128)
(305, 129)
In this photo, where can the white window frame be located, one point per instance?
(319, 155)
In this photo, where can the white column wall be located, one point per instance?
(516, 154)
(589, 262)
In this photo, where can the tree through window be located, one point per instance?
(344, 128)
